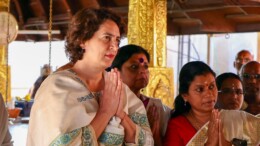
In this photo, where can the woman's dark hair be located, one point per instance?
(221, 78)
(127, 51)
(83, 26)
(187, 74)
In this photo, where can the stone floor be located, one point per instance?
(18, 130)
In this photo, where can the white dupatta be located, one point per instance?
(64, 108)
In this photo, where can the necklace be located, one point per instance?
(196, 123)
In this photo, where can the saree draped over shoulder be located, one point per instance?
(165, 113)
(236, 124)
(64, 108)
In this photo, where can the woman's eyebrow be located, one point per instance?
(110, 34)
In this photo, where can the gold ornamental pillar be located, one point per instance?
(147, 27)
(5, 76)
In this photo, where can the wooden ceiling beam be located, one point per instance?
(121, 9)
(90, 3)
(248, 2)
(183, 16)
(122, 3)
(38, 8)
(61, 10)
(19, 11)
(187, 22)
(247, 27)
(107, 3)
(244, 18)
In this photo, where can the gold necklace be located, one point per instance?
(196, 123)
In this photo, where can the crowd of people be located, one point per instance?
(96, 98)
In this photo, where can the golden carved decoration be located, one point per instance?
(140, 24)
(3, 75)
(3, 78)
(161, 34)
(161, 85)
(4, 3)
(5, 69)
(147, 28)
(2, 55)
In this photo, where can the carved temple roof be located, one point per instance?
(183, 16)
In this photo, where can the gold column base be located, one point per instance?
(3, 79)
(161, 85)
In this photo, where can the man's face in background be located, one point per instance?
(242, 58)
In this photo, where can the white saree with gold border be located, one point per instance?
(64, 108)
(236, 124)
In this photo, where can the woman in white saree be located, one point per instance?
(85, 105)
(238, 128)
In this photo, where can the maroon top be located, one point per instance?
(145, 102)
(179, 132)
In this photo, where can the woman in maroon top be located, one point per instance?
(194, 106)
(132, 61)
